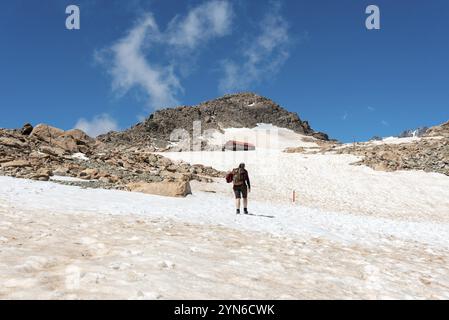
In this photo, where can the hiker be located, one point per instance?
(241, 186)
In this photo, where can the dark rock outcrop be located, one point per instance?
(26, 129)
(230, 111)
(419, 132)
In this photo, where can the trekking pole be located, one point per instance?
(294, 196)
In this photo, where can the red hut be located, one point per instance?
(233, 145)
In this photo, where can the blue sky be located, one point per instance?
(312, 57)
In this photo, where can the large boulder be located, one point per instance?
(79, 136)
(53, 151)
(320, 136)
(71, 141)
(16, 164)
(11, 142)
(164, 188)
(46, 133)
(67, 143)
(42, 174)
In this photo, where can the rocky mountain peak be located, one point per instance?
(241, 110)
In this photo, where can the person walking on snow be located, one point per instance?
(241, 186)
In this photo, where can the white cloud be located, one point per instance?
(209, 20)
(345, 116)
(128, 63)
(100, 124)
(385, 123)
(371, 109)
(130, 68)
(262, 57)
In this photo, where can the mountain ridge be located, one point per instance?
(240, 110)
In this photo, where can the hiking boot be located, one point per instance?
(237, 211)
(245, 210)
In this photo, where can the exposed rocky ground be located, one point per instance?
(322, 146)
(126, 160)
(430, 155)
(419, 132)
(244, 110)
(439, 131)
(42, 152)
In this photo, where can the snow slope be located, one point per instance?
(353, 233)
(64, 242)
(264, 136)
(215, 208)
(329, 181)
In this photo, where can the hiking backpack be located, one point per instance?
(238, 178)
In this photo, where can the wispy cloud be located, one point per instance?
(100, 124)
(371, 109)
(261, 57)
(209, 20)
(385, 123)
(130, 68)
(127, 59)
(344, 116)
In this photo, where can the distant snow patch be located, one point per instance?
(67, 179)
(80, 156)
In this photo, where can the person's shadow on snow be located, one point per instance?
(259, 215)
